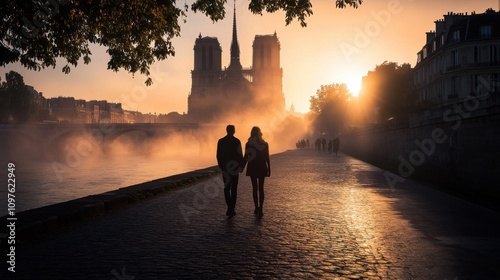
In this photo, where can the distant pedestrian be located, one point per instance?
(259, 166)
(323, 144)
(336, 145)
(231, 162)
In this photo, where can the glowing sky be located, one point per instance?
(337, 46)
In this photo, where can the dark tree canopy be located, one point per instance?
(329, 108)
(136, 33)
(15, 99)
(389, 89)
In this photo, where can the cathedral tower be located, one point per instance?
(235, 64)
(217, 94)
(205, 75)
(267, 72)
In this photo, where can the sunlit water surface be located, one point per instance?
(40, 183)
(78, 168)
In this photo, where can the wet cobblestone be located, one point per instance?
(325, 216)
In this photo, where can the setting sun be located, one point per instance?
(354, 85)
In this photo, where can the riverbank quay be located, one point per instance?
(325, 217)
(35, 222)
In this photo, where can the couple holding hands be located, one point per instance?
(232, 161)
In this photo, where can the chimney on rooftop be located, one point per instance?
(430, 36)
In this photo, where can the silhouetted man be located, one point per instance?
(231, 162)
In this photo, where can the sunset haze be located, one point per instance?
(337, 46)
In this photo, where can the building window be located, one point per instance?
(455, 58)
(210, 58)
(454, 88)
(485, 32)
(262, 60)
(442, 40)
(476, 90)
(494, 83)
(493, 54)
(269, 53)
(456, 36)
(477, 56)
(203, 58)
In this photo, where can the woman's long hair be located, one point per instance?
(256, 135)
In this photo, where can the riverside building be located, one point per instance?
(460, 60)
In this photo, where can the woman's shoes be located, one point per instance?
(258, 212)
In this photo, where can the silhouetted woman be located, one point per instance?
(259, 166)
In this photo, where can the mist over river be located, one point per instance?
(38, 185)
(42, 180)
(60, 162)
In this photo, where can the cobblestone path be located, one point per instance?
(325, 217)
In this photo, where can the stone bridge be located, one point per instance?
(51, 137)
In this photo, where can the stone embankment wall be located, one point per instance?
(455, 148)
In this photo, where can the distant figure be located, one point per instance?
(336, 145)
(323, 144)
(231, 162)
(317, 144)
(301, 144)
(259, 166)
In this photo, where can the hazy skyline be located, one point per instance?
(337, 46)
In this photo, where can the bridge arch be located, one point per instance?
(80, 140)
(22, 143)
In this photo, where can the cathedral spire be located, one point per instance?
(235, 48)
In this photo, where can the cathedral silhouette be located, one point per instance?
(218, 94)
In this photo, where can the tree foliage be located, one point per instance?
(136, 33)
(329, 108)
(388, 89)
(15, 101)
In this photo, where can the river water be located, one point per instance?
(54, 173)
(41, 181)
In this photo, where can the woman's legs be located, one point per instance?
(255, 195)
(258, 194)
(261, 194)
